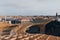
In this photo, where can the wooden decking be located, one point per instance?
(26, 36)
(29, 37)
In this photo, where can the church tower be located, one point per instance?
(57, 16)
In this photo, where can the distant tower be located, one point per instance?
(57, 16)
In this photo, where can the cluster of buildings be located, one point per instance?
(27, 19)
(21, 19)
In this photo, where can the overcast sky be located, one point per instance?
(29, 7)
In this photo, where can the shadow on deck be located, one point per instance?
(52, 28)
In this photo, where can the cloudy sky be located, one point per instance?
(29, 7)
